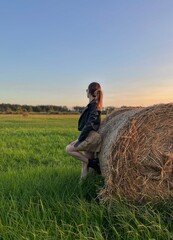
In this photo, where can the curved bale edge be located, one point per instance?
(137, 153)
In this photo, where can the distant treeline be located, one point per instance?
(51, 109)
(47, 109)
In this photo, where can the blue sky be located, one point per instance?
(50, 50)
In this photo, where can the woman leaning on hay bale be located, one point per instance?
(88, 143)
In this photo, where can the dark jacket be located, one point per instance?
(89, 120)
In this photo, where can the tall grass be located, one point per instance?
(40, 193)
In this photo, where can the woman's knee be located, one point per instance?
(70, 148)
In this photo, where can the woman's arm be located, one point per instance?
(93, 116)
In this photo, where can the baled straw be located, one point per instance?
(137, 153)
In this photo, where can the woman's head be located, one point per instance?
(94, 89)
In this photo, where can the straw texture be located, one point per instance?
(137, 153)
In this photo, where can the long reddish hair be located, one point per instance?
(95, 90)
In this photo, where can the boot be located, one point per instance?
(94, 163)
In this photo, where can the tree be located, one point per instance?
(109, 109)
(9, 110)
(19, 109)
(30, 109)
(78, 109)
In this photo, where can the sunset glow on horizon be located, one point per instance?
(52, 50)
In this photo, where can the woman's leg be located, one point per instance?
(84, 171)
(89, 155)
(72, 151)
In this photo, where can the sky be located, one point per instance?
(51, 50)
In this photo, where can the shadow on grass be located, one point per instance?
(58, 184)
(90, 187)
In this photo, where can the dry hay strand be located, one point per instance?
(136, 158)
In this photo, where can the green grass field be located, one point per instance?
(40, 193)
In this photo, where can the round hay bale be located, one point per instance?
(136, 158)
(25, 114)
(115, 113)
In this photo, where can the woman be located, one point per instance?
(89, 141)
